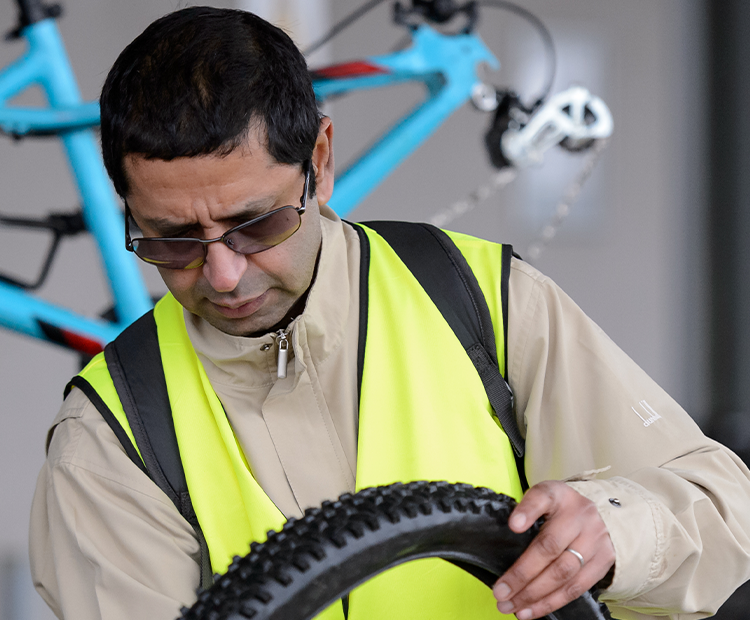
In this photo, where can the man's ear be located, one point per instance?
(322, 161)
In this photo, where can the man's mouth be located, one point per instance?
(233, 309)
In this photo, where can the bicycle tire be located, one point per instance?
(342, 544)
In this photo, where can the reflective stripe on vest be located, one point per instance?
(420, 419)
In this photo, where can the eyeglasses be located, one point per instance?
(257, 235)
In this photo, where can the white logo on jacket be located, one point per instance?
(651, 415)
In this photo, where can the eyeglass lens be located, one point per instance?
(249, 238)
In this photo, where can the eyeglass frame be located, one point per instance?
(307, 165)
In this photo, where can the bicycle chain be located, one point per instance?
(504, 177)
(497, 181)
(570, 196)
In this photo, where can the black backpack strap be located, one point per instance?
(134, 363)
(364, 270)
(443, 272)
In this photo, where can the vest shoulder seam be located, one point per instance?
(97, 470)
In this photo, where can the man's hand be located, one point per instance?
(548, 574)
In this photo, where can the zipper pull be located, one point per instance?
(283, 354)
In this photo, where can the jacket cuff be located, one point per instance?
(631, 516)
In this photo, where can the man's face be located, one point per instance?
(206, 196)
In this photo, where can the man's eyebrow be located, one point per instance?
(250, 210)
(167, 227)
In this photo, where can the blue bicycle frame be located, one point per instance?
(445, 64)
(46, 64)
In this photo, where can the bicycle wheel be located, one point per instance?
(318, 559)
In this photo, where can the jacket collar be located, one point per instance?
(319, 330)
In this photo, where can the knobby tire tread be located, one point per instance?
(313, 561)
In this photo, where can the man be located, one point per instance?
(211, 135)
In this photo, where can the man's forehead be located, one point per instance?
(253, 146)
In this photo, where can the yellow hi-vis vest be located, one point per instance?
(424, 415)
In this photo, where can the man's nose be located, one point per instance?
(223, 267)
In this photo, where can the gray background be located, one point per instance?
(632, 254)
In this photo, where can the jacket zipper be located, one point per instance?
(282, 353)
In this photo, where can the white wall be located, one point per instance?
(631, 255)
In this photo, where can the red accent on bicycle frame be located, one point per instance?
(69, 339)
(356, 68)
(81, 343)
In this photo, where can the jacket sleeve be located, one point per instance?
(674, 501)
(105, 542)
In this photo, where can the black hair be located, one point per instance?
(196, 81)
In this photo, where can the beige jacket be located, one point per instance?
(107, 543)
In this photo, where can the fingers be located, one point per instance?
(538, 501)
(547, 576)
